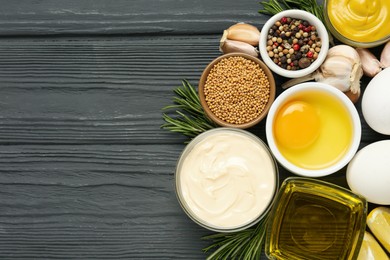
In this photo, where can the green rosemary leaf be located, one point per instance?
(239, 245)
(244, 254)
(191, 91)
(225, 235)
(287, 5)
(275, 6)
(272, 7)
(188, 117)
(190, 106)
(245, 244)
(220, 251)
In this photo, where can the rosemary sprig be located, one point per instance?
(188, 118)
(310, 6)
(245, 244)
(273, 7)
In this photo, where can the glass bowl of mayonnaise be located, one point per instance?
(226, 179)
(359, 23)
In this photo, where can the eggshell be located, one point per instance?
(376, 102)
(368, 173)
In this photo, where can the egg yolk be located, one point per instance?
(297, 125)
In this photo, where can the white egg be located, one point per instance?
(368, 173)
(376, 102)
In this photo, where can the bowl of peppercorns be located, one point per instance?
(293, 43)
(236, 90)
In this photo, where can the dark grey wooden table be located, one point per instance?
(85, 170)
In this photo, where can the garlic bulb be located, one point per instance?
(342, 69)
(385, 55)
(370, 64)
(243, 32)
(229, 46)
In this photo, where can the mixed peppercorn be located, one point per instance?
(293, 44)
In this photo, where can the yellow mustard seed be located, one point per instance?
(237, 90)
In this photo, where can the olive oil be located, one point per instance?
(313, 219)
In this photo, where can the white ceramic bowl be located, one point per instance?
(209, 185)
(298, 14)
(287, 96)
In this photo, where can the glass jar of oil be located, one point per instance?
(316, 220)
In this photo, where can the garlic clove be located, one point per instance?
(356, 75)
(354, 97)
(336, 71)
(336, 66)
(340, 83)
(229, 46)
(385, 56)
(342, 69)
(243, 32)
(345, 51)
(370, 64)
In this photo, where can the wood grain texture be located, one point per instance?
(85, 170)
(101, 90)
(96, 91)
(97, 17)
(93, 201)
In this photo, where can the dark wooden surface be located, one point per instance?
(85, 170)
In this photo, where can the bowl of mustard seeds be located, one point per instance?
(236, 90)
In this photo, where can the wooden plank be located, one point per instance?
(93, 201)
(96, 202)
(85, 170)
(100, 90)
(92, 17)
(107, 90)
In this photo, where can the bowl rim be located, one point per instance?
(202, 82)
(317, 188)
(356, 126)
(189, 148)
(313, 20)
(346, 40)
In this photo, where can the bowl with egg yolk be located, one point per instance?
(313, 129)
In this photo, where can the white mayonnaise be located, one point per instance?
(228, 179)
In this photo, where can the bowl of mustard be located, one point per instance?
(359, 23)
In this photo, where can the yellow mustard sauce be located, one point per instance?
(360, 20)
